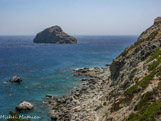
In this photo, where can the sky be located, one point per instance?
(78, 17)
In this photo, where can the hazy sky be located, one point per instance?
(78, 17)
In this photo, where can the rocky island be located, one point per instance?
(55, 35)
(129, 90)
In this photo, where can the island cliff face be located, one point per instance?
(129, 90)
(55, 35)
(136, 78)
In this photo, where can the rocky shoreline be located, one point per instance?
(84, 101)
(130, 89)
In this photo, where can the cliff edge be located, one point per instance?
(136, 78)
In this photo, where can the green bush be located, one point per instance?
(125, 52)
(141, 85)
(154, 55)
(147, 114)
(134, 70)
(145, 101)
(154, 64)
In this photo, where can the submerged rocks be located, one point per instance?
(88, 72)
(24, 106)
(16, 79)
(48, 96)
(107, 64)
(55, 35)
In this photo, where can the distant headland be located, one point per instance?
(55, 35)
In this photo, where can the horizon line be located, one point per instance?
(78, 35)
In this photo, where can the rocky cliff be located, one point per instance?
(136, 78)
(129, 90)
(55, 35)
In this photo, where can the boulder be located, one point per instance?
(54, 118)
(107, 64)
(5, 82)
(24, 106)
(55, 35)
(48, 96)
(16, 79)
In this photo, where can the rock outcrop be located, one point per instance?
(24, 106)
(55, 35)
(157, 20)
(16, 79)
(129, 90)
(48, 96)
(148, 42)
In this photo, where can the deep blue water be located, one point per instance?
(47, 68)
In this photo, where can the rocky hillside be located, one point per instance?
(130, 90)
(136, 78)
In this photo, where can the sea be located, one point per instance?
(47, 68)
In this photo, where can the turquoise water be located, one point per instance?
(47, 68)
